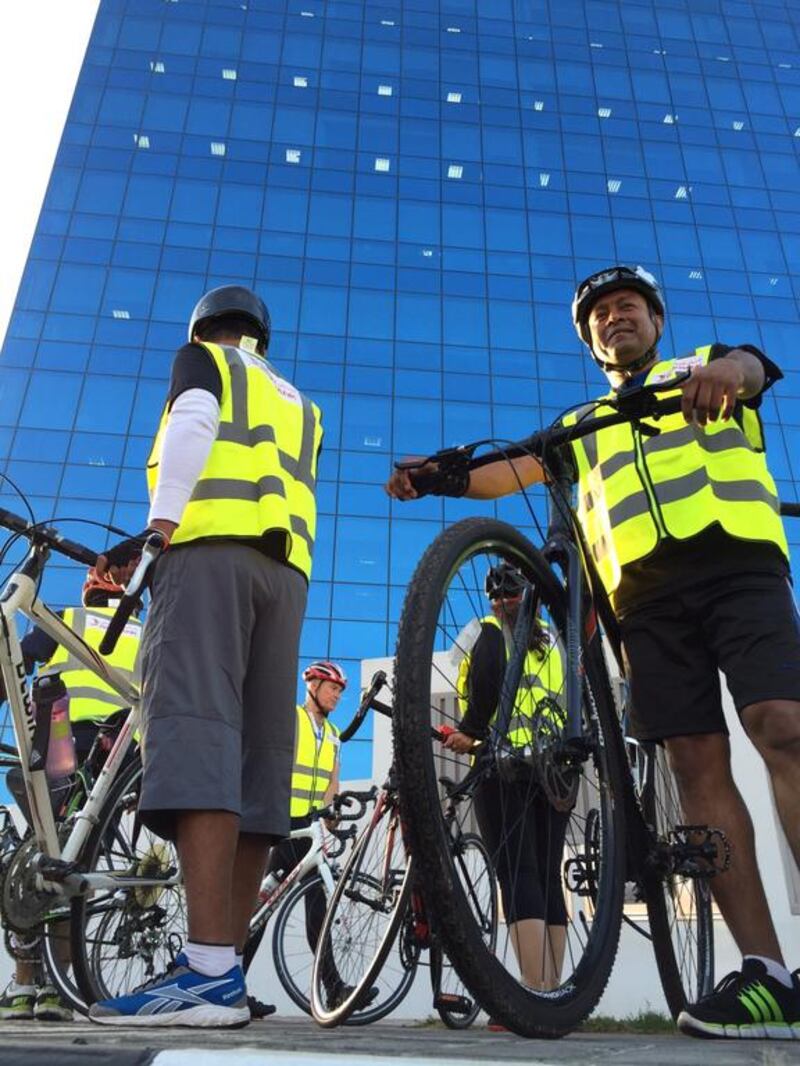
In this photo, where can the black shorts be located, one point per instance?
(746, 625)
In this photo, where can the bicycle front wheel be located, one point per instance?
(356, 977)
(549, 812)
(679, 906)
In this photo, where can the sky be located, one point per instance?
(37, 79)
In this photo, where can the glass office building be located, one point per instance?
(414, 187)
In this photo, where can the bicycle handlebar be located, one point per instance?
(48, 536)
(367, 700)
(631, 404)
(142, 576)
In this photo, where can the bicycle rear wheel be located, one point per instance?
(366, 912)
(679, 907)
(560, 801)
(122, 937)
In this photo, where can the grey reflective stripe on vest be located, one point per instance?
(531, 681)
(681, 488)
(228, 488)
(631, 507)
(300, 527)
(239, 430)
(709, 442)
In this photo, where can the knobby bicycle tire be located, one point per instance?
(355, 879)
(679, 909)
(554, 1012)
(111, 959)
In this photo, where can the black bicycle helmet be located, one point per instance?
(233, 300)
(601, 284)
(502, 581)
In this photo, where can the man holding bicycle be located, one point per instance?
(687, 540)
(232, 477)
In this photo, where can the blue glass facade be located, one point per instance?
(414, 187)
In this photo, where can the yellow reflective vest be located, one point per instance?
(89, 696)
(541, 687)
(314, 764)
(634, 490)
(261, 473)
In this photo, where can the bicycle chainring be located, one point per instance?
(22, 902)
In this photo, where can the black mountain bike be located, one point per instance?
(600, 815)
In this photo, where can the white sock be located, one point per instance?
(239, 959)
(774, 969)
(213, 960)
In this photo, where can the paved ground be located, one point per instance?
(298, 1042)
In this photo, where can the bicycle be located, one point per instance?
(82, 866)
(378, 905)
(623, 820)
(292, 896)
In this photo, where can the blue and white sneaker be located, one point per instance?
(181, 996)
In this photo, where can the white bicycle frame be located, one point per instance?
(19, 594)
(314, 858)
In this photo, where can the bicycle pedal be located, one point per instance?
(452, 1003)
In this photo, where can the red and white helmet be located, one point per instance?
(95, 583)
(324, 670)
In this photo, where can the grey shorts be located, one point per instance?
(219, 674)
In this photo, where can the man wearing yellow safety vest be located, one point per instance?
(685, 532)
(523, 832)
(315, 781)
(91, 701)
(232, 476)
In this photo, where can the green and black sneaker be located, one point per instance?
(746, 1005)
(16, 1003)
(50, 1007)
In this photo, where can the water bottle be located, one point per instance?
(268, 885)
(61, 759)
(53, 743)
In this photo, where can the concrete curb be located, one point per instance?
(75, 1055)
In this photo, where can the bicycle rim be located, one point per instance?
(679, 908)
(457, 1008)
(361, 924)
(559, 829)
